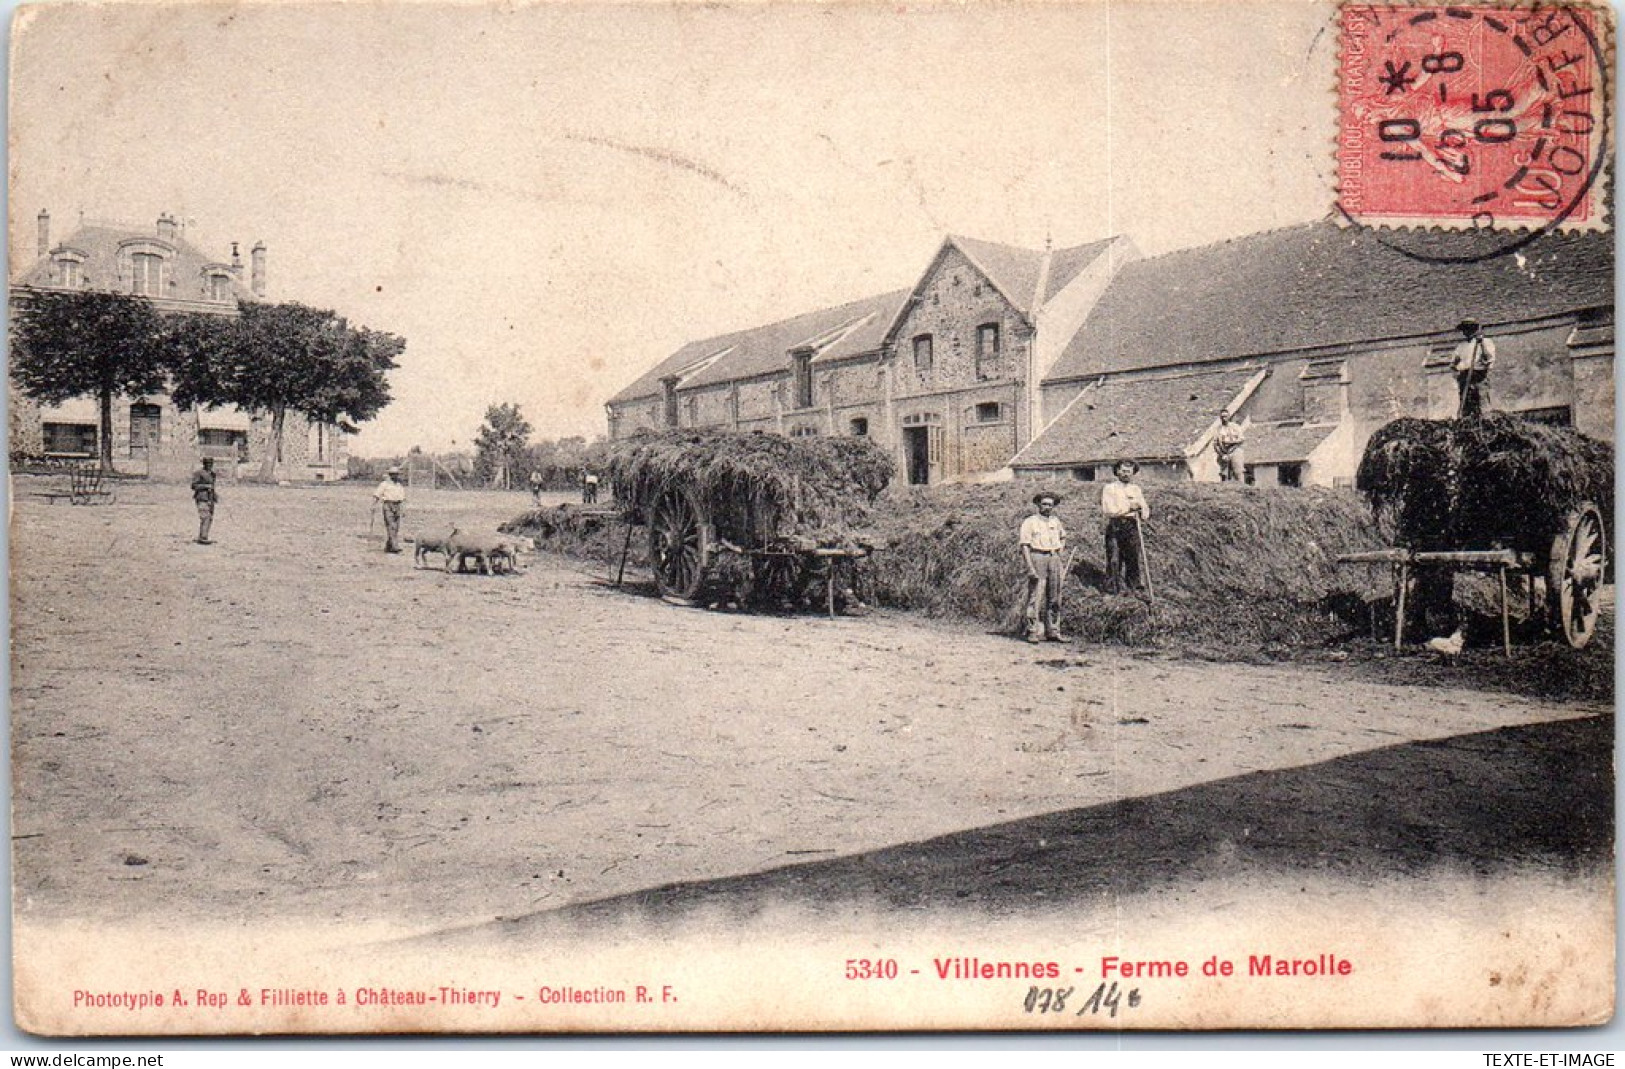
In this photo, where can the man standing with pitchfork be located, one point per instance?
(1123, 505)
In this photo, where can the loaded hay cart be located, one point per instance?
(748, 517)
(1498, 494)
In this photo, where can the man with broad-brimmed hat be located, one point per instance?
(1043, 543)
(391, 494)
(1472, 360)
(1123, 505)
(205, 497)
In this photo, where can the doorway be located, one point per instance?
(146, 423)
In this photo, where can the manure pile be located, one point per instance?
(1234, 568)
(1499, 481)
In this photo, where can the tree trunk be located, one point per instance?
(273, 453)
(104, 439)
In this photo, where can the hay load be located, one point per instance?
(1235, 568)
(1484, 483)
(755, 487)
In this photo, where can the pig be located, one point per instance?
(432, 542)
(492, 553)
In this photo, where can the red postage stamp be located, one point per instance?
(1473, 116)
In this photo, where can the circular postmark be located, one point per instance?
(1467, 132)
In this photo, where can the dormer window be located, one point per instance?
(219, 287)
(146, 274)
(70, 274)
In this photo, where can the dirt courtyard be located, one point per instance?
(291, 727)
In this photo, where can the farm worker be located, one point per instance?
(391, 494)
(536, 486)
(1473, 358)
(591, 482)
(1123, 505)
(204, 494)
(1043, 541)
(1228, 441)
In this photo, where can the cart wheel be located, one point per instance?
(1574, 575)
(679, 545)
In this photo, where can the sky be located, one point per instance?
(546, 200)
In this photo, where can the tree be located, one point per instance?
(277, 358)
(69, 344)
(499, 447)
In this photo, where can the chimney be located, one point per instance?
(44, 233)
(236, 261)
(256, 257)
(166, 227)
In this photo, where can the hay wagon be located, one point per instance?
(694, 553)
(1502, 496)
(756, 518)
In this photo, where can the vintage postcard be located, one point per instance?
(672, 517)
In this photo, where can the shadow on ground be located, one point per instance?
(1539, 795)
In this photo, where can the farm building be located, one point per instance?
(151, 435)
(944, 376)
(1315, 336)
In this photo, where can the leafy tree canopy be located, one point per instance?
(281, 358)
(72, 343)
(500, 443)
(285, 357)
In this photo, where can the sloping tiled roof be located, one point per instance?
(1013, 270)
(1319, 284)
(845, 330)
(99, 245)
(1068, 263)
(1140, 419)
(1284, 443)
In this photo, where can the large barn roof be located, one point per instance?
(1319, 284)
(1139, 419)
(844, 330)
(859, 327)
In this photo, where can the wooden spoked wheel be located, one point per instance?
(1575, 573)
(680, 544)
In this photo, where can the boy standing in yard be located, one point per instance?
(1043, 541)
(1123, 505)
(204, 495)
(391, 494)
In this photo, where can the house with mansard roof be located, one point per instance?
(945, 375)
(1316, 335)
(152, 436)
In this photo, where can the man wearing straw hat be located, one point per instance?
(1123, 505)
(391, 494)
(1043, 542)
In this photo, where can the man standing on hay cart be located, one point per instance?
(1472, 360)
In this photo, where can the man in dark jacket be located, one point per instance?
(205, 496)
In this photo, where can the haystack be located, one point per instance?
(757, 486)
(1500, 481)
(1237, 569)
(1234, 567)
